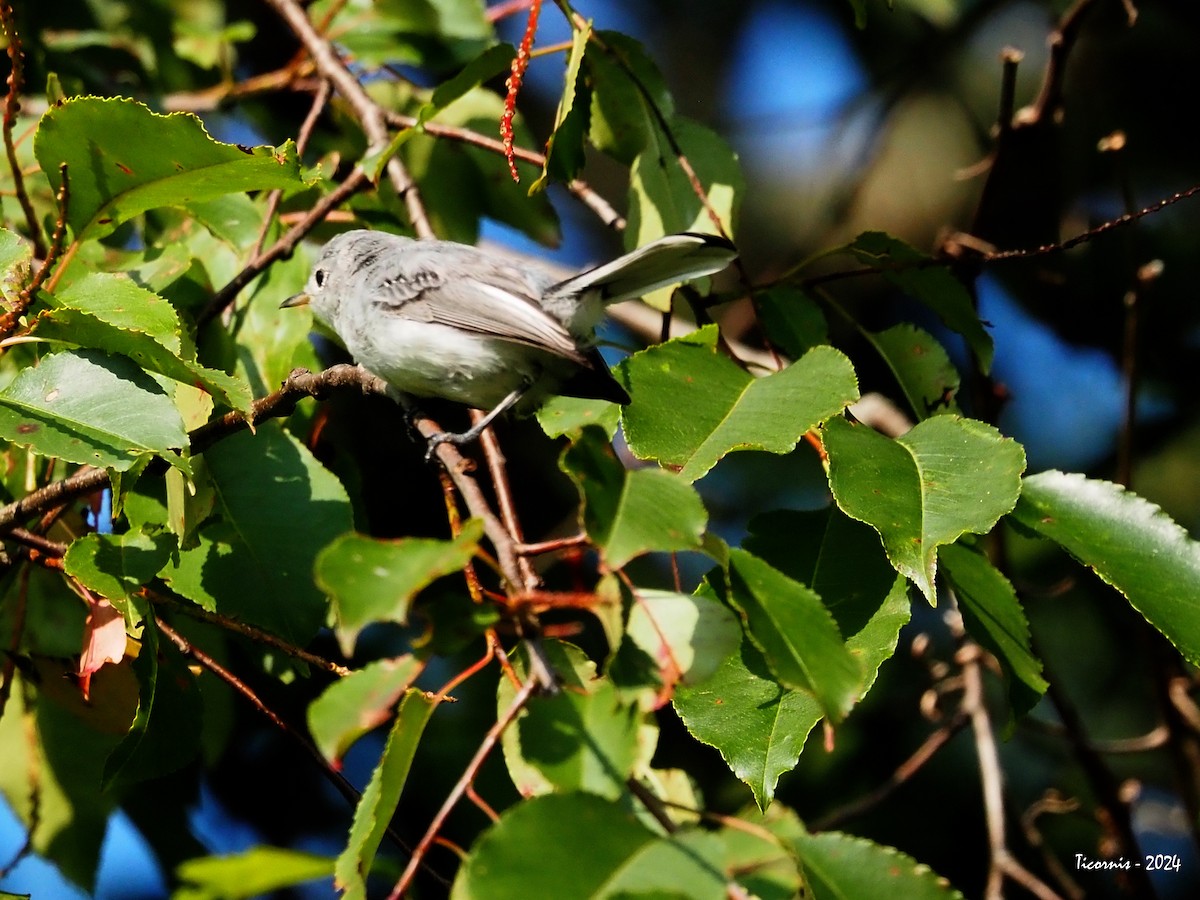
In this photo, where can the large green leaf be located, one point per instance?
(372, 580)
(692, 405)
(622, 121)
(122, 159)
(85, 406)
(628, 513)
(382, 794)
(841, 866)
(759, 726)
(352, 706)
(944, 478)
(582, 738)
(276, 508)
(537, 850)
(110, 312)
(796, 633)
(1128, 541)
(994, 617)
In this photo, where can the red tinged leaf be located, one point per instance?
(103, 638)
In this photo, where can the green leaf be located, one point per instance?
(628, 513)
(116, 565)
(564, 149)
(933, 284)
(692, 405)
(536, 850)
(371, 580)
(582, 738)
(277, 507)
(358, 703)
(759, 726)
(663, 197)
(792, 320)
(796, 633)
(165, 733)
(994, 617)
(687, 634)
(623, 122)
(85, 406)
(837, 866)
(1126, 540)
(114, 175)
(946, 477)
(14, 262)
(251, 874)
(570, 415)
(436, 34)
(382, 794)
(111, 313)
(922, 368)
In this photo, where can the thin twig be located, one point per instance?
(367, 111)
(460, 787)
(354, 182)
(320, 99)
(1002, 863)
(344, 787)
(10, 317)
(248, 631)
(12, 106)
(581, 189)
(497, 468)
(906, 770)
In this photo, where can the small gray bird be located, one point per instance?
(443, 319)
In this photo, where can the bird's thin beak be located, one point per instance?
(301, 299)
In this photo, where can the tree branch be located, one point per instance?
(369, 114)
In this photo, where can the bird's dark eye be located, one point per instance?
(319, 277)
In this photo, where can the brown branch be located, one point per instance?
(54, 494)
(468, 776)
(12, 106)
(1062, 40)
(369, 114)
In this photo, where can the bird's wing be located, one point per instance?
(475, 292)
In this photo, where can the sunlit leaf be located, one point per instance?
(837, 866)
(173, 161)
(1126, 540)
(382, 794)
(89, 407)
(946, 477)
(692, 405)
(628, 513)
(354, 705)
